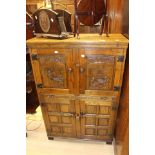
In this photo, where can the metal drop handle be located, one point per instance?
(77, 116)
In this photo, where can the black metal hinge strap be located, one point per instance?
(117, 88)
(34, 57)
(120, 59)
(115, 108)
(40, 85)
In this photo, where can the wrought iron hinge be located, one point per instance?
(117, 88)
(120, 58)
(34, 57)
(115, 108)
(39, 85)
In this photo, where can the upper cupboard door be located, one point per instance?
(100, 70)
(53, 69)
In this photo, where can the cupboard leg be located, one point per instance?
(50, 138)
(109, 142)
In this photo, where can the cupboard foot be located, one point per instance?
(50, 138)
(109, 142)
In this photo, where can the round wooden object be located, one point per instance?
(90, 12)
(44, 21)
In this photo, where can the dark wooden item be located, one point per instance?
(76, 81)
(66, 17)
(52, 23)
(50, 138)
(109, 142)
(32, 101)
(89, 13)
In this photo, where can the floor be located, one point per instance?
(38, 144)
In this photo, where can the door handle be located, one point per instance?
(77, 117)
(82, 69)
(70, 70)
(82, 114)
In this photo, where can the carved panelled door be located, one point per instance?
(53, 69)
(59, 112)
(100, 70)
(97, 118)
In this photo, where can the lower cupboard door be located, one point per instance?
(60, 114)
(97, 119)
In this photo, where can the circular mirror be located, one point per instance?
(90, 12)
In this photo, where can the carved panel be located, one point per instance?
(52, 58)
(100, 72)
(44, 21)
(53, 70)
(100, 59)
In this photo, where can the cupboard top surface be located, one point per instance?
(85, 39)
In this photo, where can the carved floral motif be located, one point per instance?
(56, 74)
(100, 59)
(100, 72)
(52, 58)
(54, 67)
(100, 83)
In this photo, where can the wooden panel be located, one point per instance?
(53, 71)
(114, 41)
(97, 118)
(100, 69)
(100, 72)
(31, 8)
(33, 1)
(60, 113)
(54, 68)
(118, 11)
(122, 123)
(125, 18)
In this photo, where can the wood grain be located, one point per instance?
(80, 102)
(122, 126)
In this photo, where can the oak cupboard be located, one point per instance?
(78, 83)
